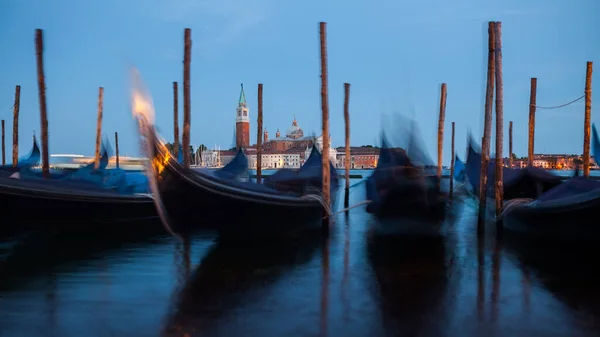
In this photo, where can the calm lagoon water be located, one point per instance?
(352, 284)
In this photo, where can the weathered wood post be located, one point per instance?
(3, 146)
(532, 99)
(452, 165)
(487, 130)
(187, 116)
(39, 53)
(116, 149)
(99, 127)
(510, 143)
(499, 190)
(587, 120)
(325, 120)
(259, 123)
(16, 108)
(175, 121)
(440, 137)
(347, 150)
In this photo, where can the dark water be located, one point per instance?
(352, 284)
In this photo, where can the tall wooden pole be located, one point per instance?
(175, 121)
(187, 116)
(587, 120)
(452, 164)
(99, 127)
(3, 146)
(325, 118)
(510, 144)
(499, 191)
(532, 99)
(16, 108)
(487, 130)
(39, 51)
(440, 140)
(260, 135)
(116, 149)
(347, 152)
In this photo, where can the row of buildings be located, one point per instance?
(291, 149)
(554, 162)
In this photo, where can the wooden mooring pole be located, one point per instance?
(16, 108)
(99, 127)
(487, 131)
(452, 164)
(510, 144)
(325, 167)
(175, 121)
(259, 136)
(187, 116)
(39, 53)
(499, 190)
(116, 149)
(532, 99)
(3, 146)
(440, 137)
(347, 149)
(587, 120)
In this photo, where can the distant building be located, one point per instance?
(360, 157)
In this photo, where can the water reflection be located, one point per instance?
(231, 275)
(567, 270)
(412, 276)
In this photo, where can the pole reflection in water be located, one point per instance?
(51, 302)
(495, 280)
(325, 286)
(344, 288)
(480, 278)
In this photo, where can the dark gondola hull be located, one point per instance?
(51, 205)
(571, 219)
(189, 200)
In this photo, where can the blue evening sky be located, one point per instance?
(394, 53)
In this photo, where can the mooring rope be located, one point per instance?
(320, 199)
(513, 203)
(560, 106)
(364, 202)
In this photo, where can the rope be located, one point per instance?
(560, 106)
(514, 203)
(321, 200)
(348, 208)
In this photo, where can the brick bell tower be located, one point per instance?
(242, 122)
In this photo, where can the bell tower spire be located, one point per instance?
(242, 121)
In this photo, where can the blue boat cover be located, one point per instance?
(309, 175)
(572, 187)
(30, 160)
(517, 182)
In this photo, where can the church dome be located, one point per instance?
(294, 131)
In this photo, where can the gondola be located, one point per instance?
(84, 200)
(568, 211)
(528, 182)
(63, 205)
(405, 197)
(192, 199)
(187, 199)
